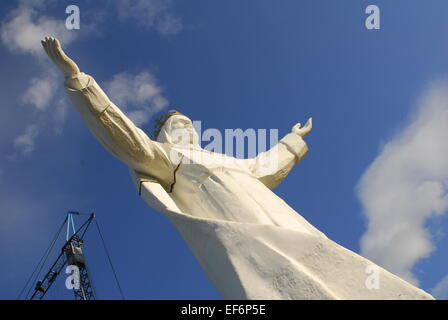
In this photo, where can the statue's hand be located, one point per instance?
(59, 58)
(303, 131)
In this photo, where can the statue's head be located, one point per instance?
(175, 128)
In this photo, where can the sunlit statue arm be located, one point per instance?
(115, 131)
(272, 166)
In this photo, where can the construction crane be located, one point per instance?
(71, 260)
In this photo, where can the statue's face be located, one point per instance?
(182, 131)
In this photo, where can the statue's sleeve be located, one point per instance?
(113, 129)
(273, 165)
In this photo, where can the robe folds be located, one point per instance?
(250, 243)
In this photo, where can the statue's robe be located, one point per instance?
(250, 243)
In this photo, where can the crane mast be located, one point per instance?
(72, 256)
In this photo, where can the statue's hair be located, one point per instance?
(161, 121)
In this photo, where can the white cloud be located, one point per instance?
(405, 186)
(25, 143)
(41, 91)
(151, 14)
(139, 96)
(169, 24)
(21, 32)
(25, 27)
(440, 291)
(60, 115)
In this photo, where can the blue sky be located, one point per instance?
(376, 98)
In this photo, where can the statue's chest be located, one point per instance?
(196, 166)
(205, 159)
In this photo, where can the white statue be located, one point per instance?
(250, 243)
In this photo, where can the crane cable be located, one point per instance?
(47, 252)
(41, 262)
(110, 260)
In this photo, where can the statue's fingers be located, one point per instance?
(309, 123)
(52, 50)
(46, 44)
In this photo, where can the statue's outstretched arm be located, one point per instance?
(54, 51)
(112, 128)
(272, 166)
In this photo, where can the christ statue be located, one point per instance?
(250, 243)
